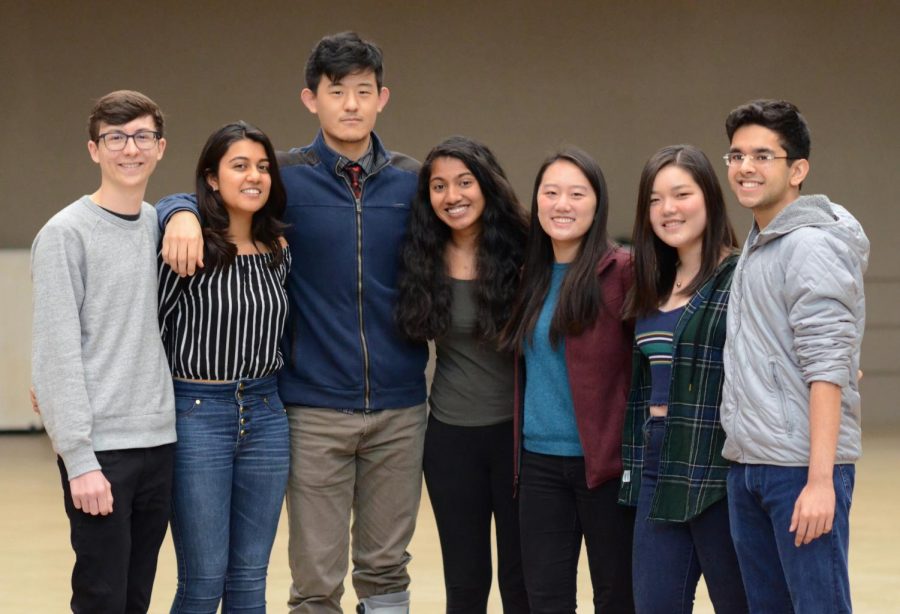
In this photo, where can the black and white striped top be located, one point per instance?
(224, 324)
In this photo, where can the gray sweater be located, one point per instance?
(98, 365)
(796, 316)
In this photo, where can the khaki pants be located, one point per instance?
(370, 463)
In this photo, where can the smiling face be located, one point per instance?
(347, 110)
(243, 179)
(678, 210)
(130, 168)
(456, 196)
(566, 206)
(768, 187)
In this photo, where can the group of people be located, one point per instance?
(682, 407)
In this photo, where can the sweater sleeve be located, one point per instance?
(170, 205)
(58, 376)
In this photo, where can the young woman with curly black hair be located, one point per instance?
(461, 266)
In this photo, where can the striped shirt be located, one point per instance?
(653, 336)
(224, 324)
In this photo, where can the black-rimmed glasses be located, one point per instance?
(116, 141)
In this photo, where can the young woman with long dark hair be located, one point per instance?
(684, 257)
(567, 323)
(221, 330)
(460, 272)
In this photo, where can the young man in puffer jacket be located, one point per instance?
(791, 407)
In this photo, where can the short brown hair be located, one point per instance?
(120, 107)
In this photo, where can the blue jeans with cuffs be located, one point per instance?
(231, 467)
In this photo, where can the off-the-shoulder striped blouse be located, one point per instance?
(224, 323)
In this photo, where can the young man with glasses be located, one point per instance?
(791, 406)
(98, 367)
(353, 387)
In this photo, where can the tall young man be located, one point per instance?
(355, 390)
(791, 407)
(99, 370)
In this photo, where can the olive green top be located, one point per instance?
(473, 382)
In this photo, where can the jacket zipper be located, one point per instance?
(364, 345)
(359, 298)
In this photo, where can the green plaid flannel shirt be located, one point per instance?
(692, 472)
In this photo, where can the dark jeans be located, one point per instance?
(231, 470)
(780, 577)
(670, 556)
(115, 555)
(557, 509)
(469, 475)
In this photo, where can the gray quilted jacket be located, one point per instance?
(796, 316)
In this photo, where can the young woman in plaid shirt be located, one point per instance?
(674, 473)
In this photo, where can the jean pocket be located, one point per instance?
(846, 479)
(273, 402)
(185, 406)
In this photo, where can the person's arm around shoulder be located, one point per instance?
(287, 264)
(182, 244)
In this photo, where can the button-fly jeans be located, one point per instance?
(780, 577)
(231, 466)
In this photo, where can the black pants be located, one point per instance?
(115, 555)
(557, 509)
(468, 473)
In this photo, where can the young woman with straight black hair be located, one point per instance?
(568, 326)
(684, 252)
(221, 330)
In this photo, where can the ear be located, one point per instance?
(383, 96)
(160, 148)
(94, 150)
(799, 171)
(212, 181)
(308, 98)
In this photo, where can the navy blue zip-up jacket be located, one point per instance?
(341, 346)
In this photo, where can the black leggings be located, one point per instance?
(557, 510)
(468, 473)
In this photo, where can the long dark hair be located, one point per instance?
(654, 261)
(580, 300)
(423, 307)
(266, 226)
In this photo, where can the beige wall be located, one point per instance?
(617, 78)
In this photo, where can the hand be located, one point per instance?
(92, 493)
(182, 246)
(34, 403)
(813, 512)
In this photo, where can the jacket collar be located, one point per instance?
(608, 258)
(332, 159)
(811, 210)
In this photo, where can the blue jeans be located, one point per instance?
(780, 577)
(231, 467)
(669, 557)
